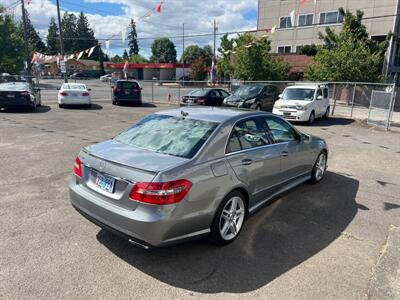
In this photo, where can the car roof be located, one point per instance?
(211, 114)
(302, 87)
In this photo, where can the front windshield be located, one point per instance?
(18, 87)
(175, 136)
(248, 91)
(298, 94)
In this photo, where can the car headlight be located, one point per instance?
(250, 101)
(301, 107)
(277, 106)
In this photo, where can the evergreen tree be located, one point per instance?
(53, 44)
(12, 49)
(84, 34)
(35, 42)
(68, 25)
(133, 43)
(125, 55)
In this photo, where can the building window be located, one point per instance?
(332, 17)
(298, 49)
(306, 20)
(397, 56)
(285, 22)
(284, 49)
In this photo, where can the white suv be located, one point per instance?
(303, 103)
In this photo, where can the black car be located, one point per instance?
(126, 91)
(19, 94)
(209, 97)
(259, 97)
(79, 76)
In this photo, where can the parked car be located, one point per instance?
(126, 91)
(192, 172)
(74, 94)
(303, 103)
(19, 94)
(106, 78)
(209, 97)
(258, 97)
(79, 76)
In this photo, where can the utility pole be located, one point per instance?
(61, 38)
(27, 65)
(215, 36)
(183, 52)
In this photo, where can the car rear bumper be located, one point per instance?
(5, 103)
(124, 100)
(292, 115)
(74, 101)
(147, 225)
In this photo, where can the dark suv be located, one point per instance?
(79, 76)
(126, 91)
(259, 97)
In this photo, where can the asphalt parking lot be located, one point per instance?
(335, 240)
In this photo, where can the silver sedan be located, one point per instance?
(192, 172)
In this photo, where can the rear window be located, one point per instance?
(198, 93)
(14, 87)
(72, 86)
(128, 85)
(168, 135)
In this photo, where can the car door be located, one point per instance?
(270, 97)
(319, 102)
(213, 98)
(295, 154)
(254, 158)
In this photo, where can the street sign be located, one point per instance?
(63, 67)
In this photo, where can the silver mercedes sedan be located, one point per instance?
(192, 172)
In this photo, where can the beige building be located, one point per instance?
(309, 19)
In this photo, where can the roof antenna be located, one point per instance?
(184, 114)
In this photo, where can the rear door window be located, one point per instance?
(128, 85)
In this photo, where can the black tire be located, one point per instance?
(61, 105)
(311, 119)
(326, 115)
(215, 235)
(314, 177)
(32, 108)
(115, 103)
(88, 105)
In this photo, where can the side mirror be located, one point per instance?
(305, 138)
(280, 96)
(89, 89)
(320, 98)
(58, 89)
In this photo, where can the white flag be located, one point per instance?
(292, 17)
(123, 36)
(80, 55)
(91, 51)
(273, 29)
(248, 46)
(71, 56)
(315, 2)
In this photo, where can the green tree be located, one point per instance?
(349, 55)
(198, 68)
(163, 51)
(53, 44)
(137, 59)
(224, 66)
(194, 52)
(117, 59)
(125, 55)
(68, 25)
(12, 49)
(34, 41)
(309, 50)
(132, 37)
(84, 34)
(253, 60)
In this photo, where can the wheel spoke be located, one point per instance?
(225, 215)
(233, 228)
(233, 205)
(225, 228)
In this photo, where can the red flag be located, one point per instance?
(29, 2)
(158, 7)
(126, 69)
(302, 3)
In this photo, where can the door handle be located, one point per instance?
(284, 153)
(247, 161)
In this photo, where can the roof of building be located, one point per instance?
(298, 62)
(146, 66)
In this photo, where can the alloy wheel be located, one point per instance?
(320, 167)
(232, 218)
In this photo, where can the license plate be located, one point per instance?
(11, 96)
(106, 183)
(74, 94)
(286, 113)
(127, 92)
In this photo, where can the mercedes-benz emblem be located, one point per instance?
(102, 165)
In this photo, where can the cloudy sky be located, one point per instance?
(109, 17)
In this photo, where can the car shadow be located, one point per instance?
(275, 240)
(332, 121)
(144, 104)
(93, 106)
(25, 110)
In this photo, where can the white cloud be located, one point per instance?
(197, 16)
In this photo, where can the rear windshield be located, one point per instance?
(168, 135)
(13, 87)
(198, 93)
(128, 85)
(72, 86)
(298, 94)
(248, 91)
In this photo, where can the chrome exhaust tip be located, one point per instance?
(138, 244)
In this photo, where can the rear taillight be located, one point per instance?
(201, 101)
(160, 193)
(78, 167)
(116, 90)
(63, 94)
(24, 94)
(85, 94)
(136, 90)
